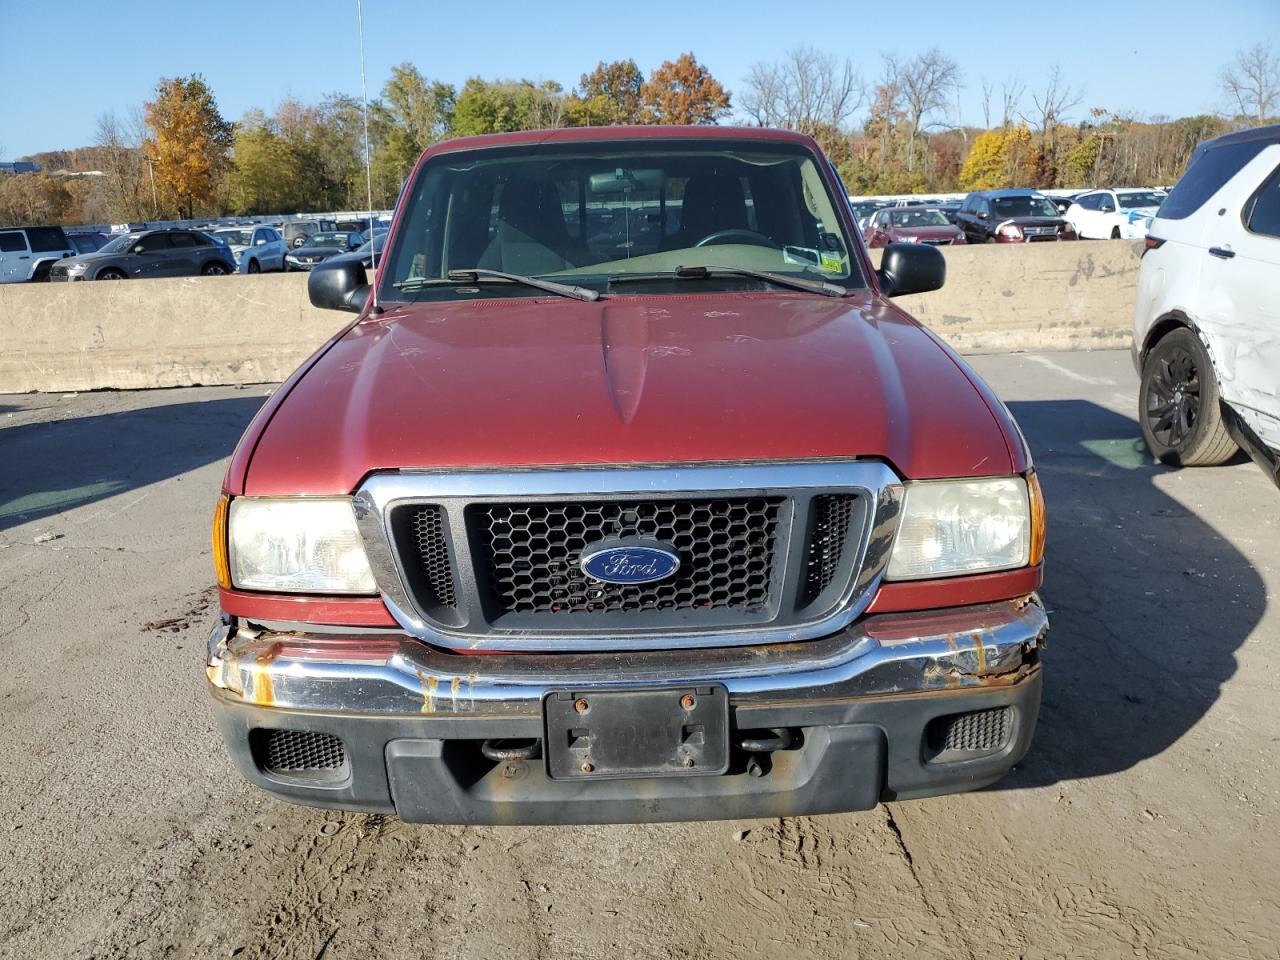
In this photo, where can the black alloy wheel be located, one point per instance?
(1179, 413)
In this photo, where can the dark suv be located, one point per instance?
(154, 253)
(1011, 216)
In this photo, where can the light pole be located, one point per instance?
(151, 168)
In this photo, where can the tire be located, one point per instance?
(1115, 233)
(111, 274)
(254, 267)
(1178, 404)
(214, 269)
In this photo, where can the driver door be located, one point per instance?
(149, 256)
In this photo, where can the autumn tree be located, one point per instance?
(608, 95)
(189, 141)
(32, 199)
(807, 90)
(125, 192)
(927, 82)
(1051, 105)
(683, 91)
(1251, 82)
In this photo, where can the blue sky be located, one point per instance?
(66, 63)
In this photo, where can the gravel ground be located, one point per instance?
(1141, 823)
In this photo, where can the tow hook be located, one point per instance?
(502, 751)
(760, 745)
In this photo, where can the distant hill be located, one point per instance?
(75, 160)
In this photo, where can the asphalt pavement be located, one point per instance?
(1140, 824)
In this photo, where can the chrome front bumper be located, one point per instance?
(957, 649)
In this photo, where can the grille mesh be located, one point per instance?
(726, 547)
(977, 730)
(433, 554)
(293, 751)
(828, 534)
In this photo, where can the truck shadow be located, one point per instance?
(46, 468)
(1148, 601)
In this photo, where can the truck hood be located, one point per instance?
(645, 379)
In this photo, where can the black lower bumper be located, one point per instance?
(849, 754)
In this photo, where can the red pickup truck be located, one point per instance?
(630, 496)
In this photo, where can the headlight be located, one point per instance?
(951, 527)
(303, 545)
(1010, 230)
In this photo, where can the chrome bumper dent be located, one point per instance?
(963, 648)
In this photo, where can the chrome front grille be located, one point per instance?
(531, 554)
(495, 560)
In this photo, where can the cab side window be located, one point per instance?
(183, 240)
(1262, 212)
(1105, 203)
(12, 242)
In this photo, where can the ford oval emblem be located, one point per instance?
(629, 564)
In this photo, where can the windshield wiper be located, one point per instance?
(473, 275)
(706, 272)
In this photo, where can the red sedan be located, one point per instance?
(913, 225)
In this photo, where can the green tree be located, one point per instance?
(418, 114)
(189, 140)
(608, 95)
(486, 106)
(683, 91)
(264, 177)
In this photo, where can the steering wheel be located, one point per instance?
(738, 236)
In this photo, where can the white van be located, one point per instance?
(27, 253)
(1206, 329)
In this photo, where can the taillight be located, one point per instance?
(1152, 243)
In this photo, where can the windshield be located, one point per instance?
(1006, 207)
(326, 240)
(120, 244)
(235, 238)
(919, 218)
(1131, 201)
(582, 213)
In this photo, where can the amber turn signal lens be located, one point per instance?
(1036, 495)
(221, 565)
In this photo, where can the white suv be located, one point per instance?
(1206, 329)
(1113, 214)
(27, 253)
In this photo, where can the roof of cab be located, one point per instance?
(640, 132)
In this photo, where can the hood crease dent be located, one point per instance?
(726, 377)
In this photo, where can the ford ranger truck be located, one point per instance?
(627, 495)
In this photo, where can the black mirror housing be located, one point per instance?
(338, 284)
(911, 268)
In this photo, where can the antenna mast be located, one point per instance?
(368, 169)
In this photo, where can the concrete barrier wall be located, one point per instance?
(158, 333)
(224, 330)
(1040, 296)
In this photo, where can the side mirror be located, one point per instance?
(911, 268)
(982, 214)
(338, 284)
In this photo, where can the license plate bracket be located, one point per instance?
(623, 734)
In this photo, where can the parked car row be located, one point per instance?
(152, 253)
(1018, 216)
